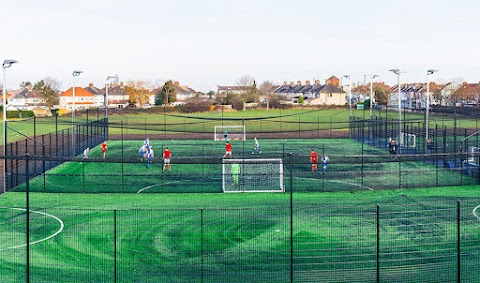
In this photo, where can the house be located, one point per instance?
(333, 81)
(467, 94)
(117, 98)
(313, 94)
(27, 99)
(183, 93)
(83, 99)
(99, 94)
(446, 93)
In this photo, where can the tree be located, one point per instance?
(211, 94)
(249, 90)
(266, 90)
(138, 91)
(50, 90)
(166, 94)
(300, 99)
(25, 84)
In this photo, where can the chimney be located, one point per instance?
(30, 87)
(317, 82)
(299, 82)
(176, 83)
(90, 85)
(285, 83)
(307, 82)
(291, 83)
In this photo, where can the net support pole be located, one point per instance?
(27, 215)
(202, 247)
(115, 245)
(291, 217)
(378, 243)
(458, 244)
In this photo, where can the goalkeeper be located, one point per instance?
(235, 173)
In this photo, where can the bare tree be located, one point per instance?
(138, 91)
(266, 89)
(249, 90)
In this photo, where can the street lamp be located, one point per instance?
(371, 93)
(106, 95)
(349, 94)
(6, 64)
(398, 72)
(427, 109)
(74, 74)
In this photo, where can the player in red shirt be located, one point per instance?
(104, 149)
(314, 160)
(228, 150)
(166, 158)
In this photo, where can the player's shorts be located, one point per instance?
(314, 166)
(166, 160)
(228, 152)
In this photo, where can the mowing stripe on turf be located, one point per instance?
(475, 212)
(41, 240)
(336, 181)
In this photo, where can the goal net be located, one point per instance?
(473, 155)
(408, 140)
(252, 175)
(227, 133)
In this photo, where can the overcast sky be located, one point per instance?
(214, 42)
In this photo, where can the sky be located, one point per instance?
(208, 43)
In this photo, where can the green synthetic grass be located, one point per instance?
(159, 237)
(216, 237)
(197, 168)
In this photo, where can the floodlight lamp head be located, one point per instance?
(374, 76)
(76, 73)
(111, 77)
(8, 63)
(395, 71)
(346, 76)
(431, 71)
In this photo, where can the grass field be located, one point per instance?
(214, 237)
(280, 120)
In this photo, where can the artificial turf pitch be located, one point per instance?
(215, 237)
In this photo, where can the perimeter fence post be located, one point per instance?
(458, 243)
(44, 169)
(291, 218)
(202, 260)
(378, 242)
(318, 126)
(123, 175)
(27, 214)
(114, 245)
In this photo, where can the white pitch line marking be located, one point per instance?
(159, 184)
(41, 240)
(475, 212)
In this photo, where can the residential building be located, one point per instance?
(313, 94)
(27, 99)
(117, 98)
(83, 99)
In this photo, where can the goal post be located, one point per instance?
(227, 133)
(473, 155)
(252, 175)
(408, 140)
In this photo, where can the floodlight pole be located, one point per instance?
(427, 108)
(398, 72)
(6, 64)
(74, 74)
(371, 93)
(106, 95)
